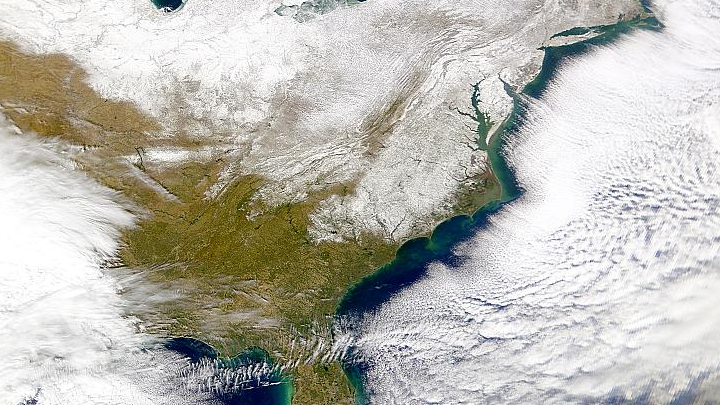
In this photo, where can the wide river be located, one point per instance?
(601, 282)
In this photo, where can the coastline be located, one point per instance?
(242, 343)
(169, 6)
(415, 254)
(269, 389)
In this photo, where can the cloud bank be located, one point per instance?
(600, 284)
(64, 338)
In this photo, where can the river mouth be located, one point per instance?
(595, 284)
(415, 256)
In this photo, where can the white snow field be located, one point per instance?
(365, 95)
(64, 336)
(600, 285)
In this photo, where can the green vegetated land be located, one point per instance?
(244, 274)
(265, 267)
(237, 282)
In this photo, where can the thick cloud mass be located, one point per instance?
(601, 284)
(64, 338)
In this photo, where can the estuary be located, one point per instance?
(598, 284)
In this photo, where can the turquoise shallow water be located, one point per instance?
(414, 256)
(273, 390)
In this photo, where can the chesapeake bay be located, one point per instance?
(414, 256)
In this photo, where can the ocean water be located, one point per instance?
(600, 283)
(248, 378)
(64, 336)
(65, 333)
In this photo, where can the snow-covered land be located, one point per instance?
(365, 95)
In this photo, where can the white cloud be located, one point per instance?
(600, 284)
(64, 338)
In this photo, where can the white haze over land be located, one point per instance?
(367, 95)
(63, 337)
(601, 284)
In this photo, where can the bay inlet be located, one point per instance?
(414, 256)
